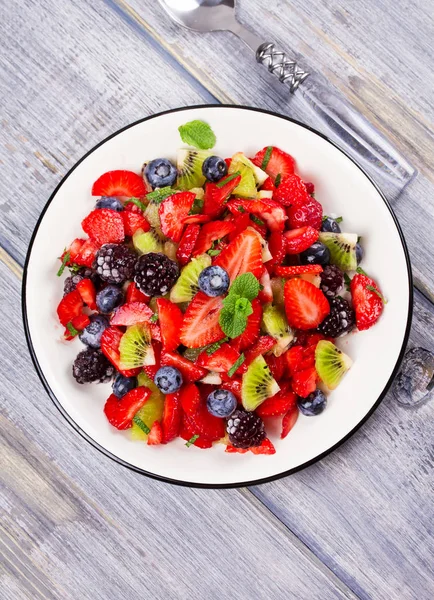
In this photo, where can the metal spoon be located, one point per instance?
(355, 133)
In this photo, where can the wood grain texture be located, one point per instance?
(75, 525)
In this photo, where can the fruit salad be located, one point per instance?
(211, 292)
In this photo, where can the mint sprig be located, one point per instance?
(246, 286)
(196, 209)
(227, 179)
(65, 259)
(267, 157)
(237, 364)
(191, 440)
(157, 196)
(237, 306)
(371, 288)
(137, 202)
(72, 330)
(216, 346)
(138, 421)
(198, 134)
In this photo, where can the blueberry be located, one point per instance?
(168, 380)
(161, 172)
(112, 203)
(122, 385)
(214, 281)
(313, 405)
(91, 335)
(221, 403)
(109, 298)
(359, 253)
(330, 224)
(317, 254)
(214, 168)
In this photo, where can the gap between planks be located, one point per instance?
(249, 496)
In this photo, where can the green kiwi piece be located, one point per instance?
(152, 216)
(331, 363)
(151, 411)
(247, 186)
(192, 353)
(275, 324)
(148, 241)
(342, 248)
(258, 384)
(135, 347)
(189, 163)
(186, 286)
(259, 174)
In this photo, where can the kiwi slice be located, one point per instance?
(152, 216)
(135, 347)
(259, 174)
(258, 384)
(342, 248)
(186, 286)
(151, 411)
(189, 162)
(331, 363)
(148, 241)
(247, 186)
(170, 249)
(275, 324)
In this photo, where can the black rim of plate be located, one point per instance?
(216, 485)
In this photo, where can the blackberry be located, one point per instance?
(245, 429)
(155, 274)
(340, 319)
(332, 280)
(70, 282)
(91, 365)
(115, 263)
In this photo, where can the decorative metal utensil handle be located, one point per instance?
(278, 63)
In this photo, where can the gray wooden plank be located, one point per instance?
(76, 525)
(381, 64)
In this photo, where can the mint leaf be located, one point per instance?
(243, 307)
(198, 134)
(157, 196)
(241, 209)
(227, 179)
(278, 180)
(74, 268)
(138, 421)
(154, 318)
(246, 286)
(191, 441)
(339, 219)
(360, 271)
(233, 319)
(65, 259)
(214, 347)
(347, 280)
(214, 252)
(72, 330)
(197, 207)
(237, 364)
(371, 288)
(137, 202)
(267, 157)
(256, 220)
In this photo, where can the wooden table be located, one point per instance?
(359, 524)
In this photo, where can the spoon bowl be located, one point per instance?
(202, 15)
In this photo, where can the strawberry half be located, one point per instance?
(219, 361)
(133, 294)
(86, 255)
(134, 221)
(292, 191)
(309, 213)
(266, 447)
(274, 161)
(110, 340)
(305, 305)
(120, 413)
(202, 423)
(298, 240)
(263, 345)
(170, 318)
(216, 195)
(294, 358)
(173, 211)
(201, 321)
(190, 398)
(69, 307)
(172, 417)
(187, 244)
(210, 232)
(368, 305)
(119, 183)
(242, 255)
(266, 209)
(189, 370)
(234, 386)
(288, 421)
(304, 382)
(298, 270)
(197, 219)
(155, 436)
(87, 291)
(277, 365)
(279, 404)
(268, 185)
(131, 314)
(241, 221)
(104, 226)
(251, 332)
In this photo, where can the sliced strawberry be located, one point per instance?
(310, 187)
(263, 345)
(86, 254)
(190, 398)
(170, 318)
(251, 332)
(120, 413)
(131, 313)
(151, 370)
(304, 382)
(172, 417)
(104, 226)
(241, 221)
(155, 331)
(69, 307)
(268, 185)
(73, 250)
(233, 450)
(234, 386)
(134, 221)
(294, 358)
(305, 305)
(189, 370)
(298, 270)
(217, 194)
(201, 321)
(258, 225)
(155, 436)
(298, 240)
(219, 361)
(277, 247)
(173, 211)
(133, 294)
(110, 341)
(187, 244)
(368, 305)
(271, 212)
(274, 162)
(277, 365)
(80, 322)
(206, 426)
(279, 404)
(192, 219)
(309, 213)
(266, 293)
(243, 255)
(119, 183)
(292, 191)
(87, 291)
(211, 232)
(288, 421)
(266, 447)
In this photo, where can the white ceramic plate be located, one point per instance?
(342, 188)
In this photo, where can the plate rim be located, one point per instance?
(181, 482)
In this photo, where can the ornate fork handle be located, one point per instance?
(278, 63)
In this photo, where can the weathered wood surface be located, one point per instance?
(360, 523)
